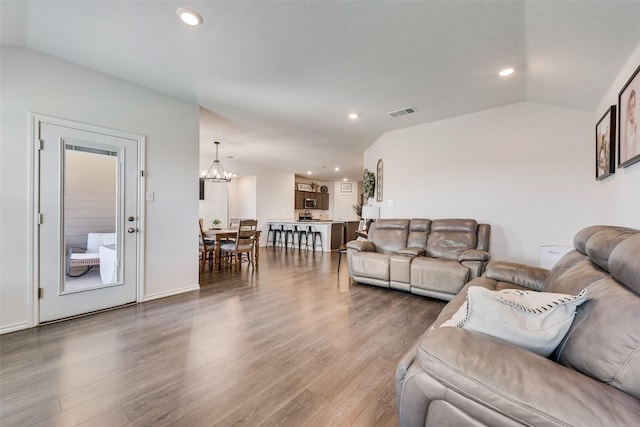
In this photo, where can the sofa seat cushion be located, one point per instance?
(441, 275)
(374, 265)
(536, 321)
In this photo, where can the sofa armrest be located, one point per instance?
(361, 245)
(411, 251)
(473, 255)
(519, 384)
(519, 274)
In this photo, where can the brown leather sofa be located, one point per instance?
(454, 376)
(434, 258)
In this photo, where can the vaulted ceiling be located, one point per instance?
(276, 79)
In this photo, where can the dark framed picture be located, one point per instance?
(605, 144)
(201, 189)
(628, 137)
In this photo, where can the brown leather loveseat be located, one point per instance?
(433, 258)
(458, 376)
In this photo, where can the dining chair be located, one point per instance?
(243, 249)
(206, 247)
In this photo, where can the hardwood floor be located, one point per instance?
(291, 344)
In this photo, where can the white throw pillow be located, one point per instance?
(533, 320)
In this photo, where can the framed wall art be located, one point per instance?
(304, 187)
(345, 187)
(628, 116)
(605, 144)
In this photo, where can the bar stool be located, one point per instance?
(298, 231)
(273, 234)
(286, 231)
(314, 234)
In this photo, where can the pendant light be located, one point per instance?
(216, 172)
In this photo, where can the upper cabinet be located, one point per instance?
(322, 199)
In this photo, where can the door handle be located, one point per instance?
(131, 230)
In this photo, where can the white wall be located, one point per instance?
(32, 82)
(343, 201)
(215, 204)
(275, 198)
(527, 169)
(618, 195)
(243, 197)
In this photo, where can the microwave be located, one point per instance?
(310, 203)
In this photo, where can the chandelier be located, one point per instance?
(216, 172)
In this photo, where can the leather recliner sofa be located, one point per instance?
(455, 376)
(434, 258)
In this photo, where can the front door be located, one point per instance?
(87, 205)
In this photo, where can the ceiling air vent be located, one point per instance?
(402, 112)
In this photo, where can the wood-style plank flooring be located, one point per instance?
(290, 344)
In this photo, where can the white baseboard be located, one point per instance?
(195, 287)
(15, 327)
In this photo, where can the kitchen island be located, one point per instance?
(332, 232)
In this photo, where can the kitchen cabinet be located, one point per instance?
(322, 199)
(300, 196)
(352, 227)
(337, 235)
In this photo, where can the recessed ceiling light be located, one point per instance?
(506, 72)
(344, 179)
(189, 16)
(353, 116)
(336, 169)
(309, 172)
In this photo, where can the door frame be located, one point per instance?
(35, 120)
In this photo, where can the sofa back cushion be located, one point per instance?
(389, 235)
(624, 263)
(594, 245)
(582, 237)
(450, 237)
(574, 279)
(604, 339)
(601, 244)
(484, 237)
(418, 233)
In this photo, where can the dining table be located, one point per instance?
(228, 234)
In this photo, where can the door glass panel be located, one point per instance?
(90, 207)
